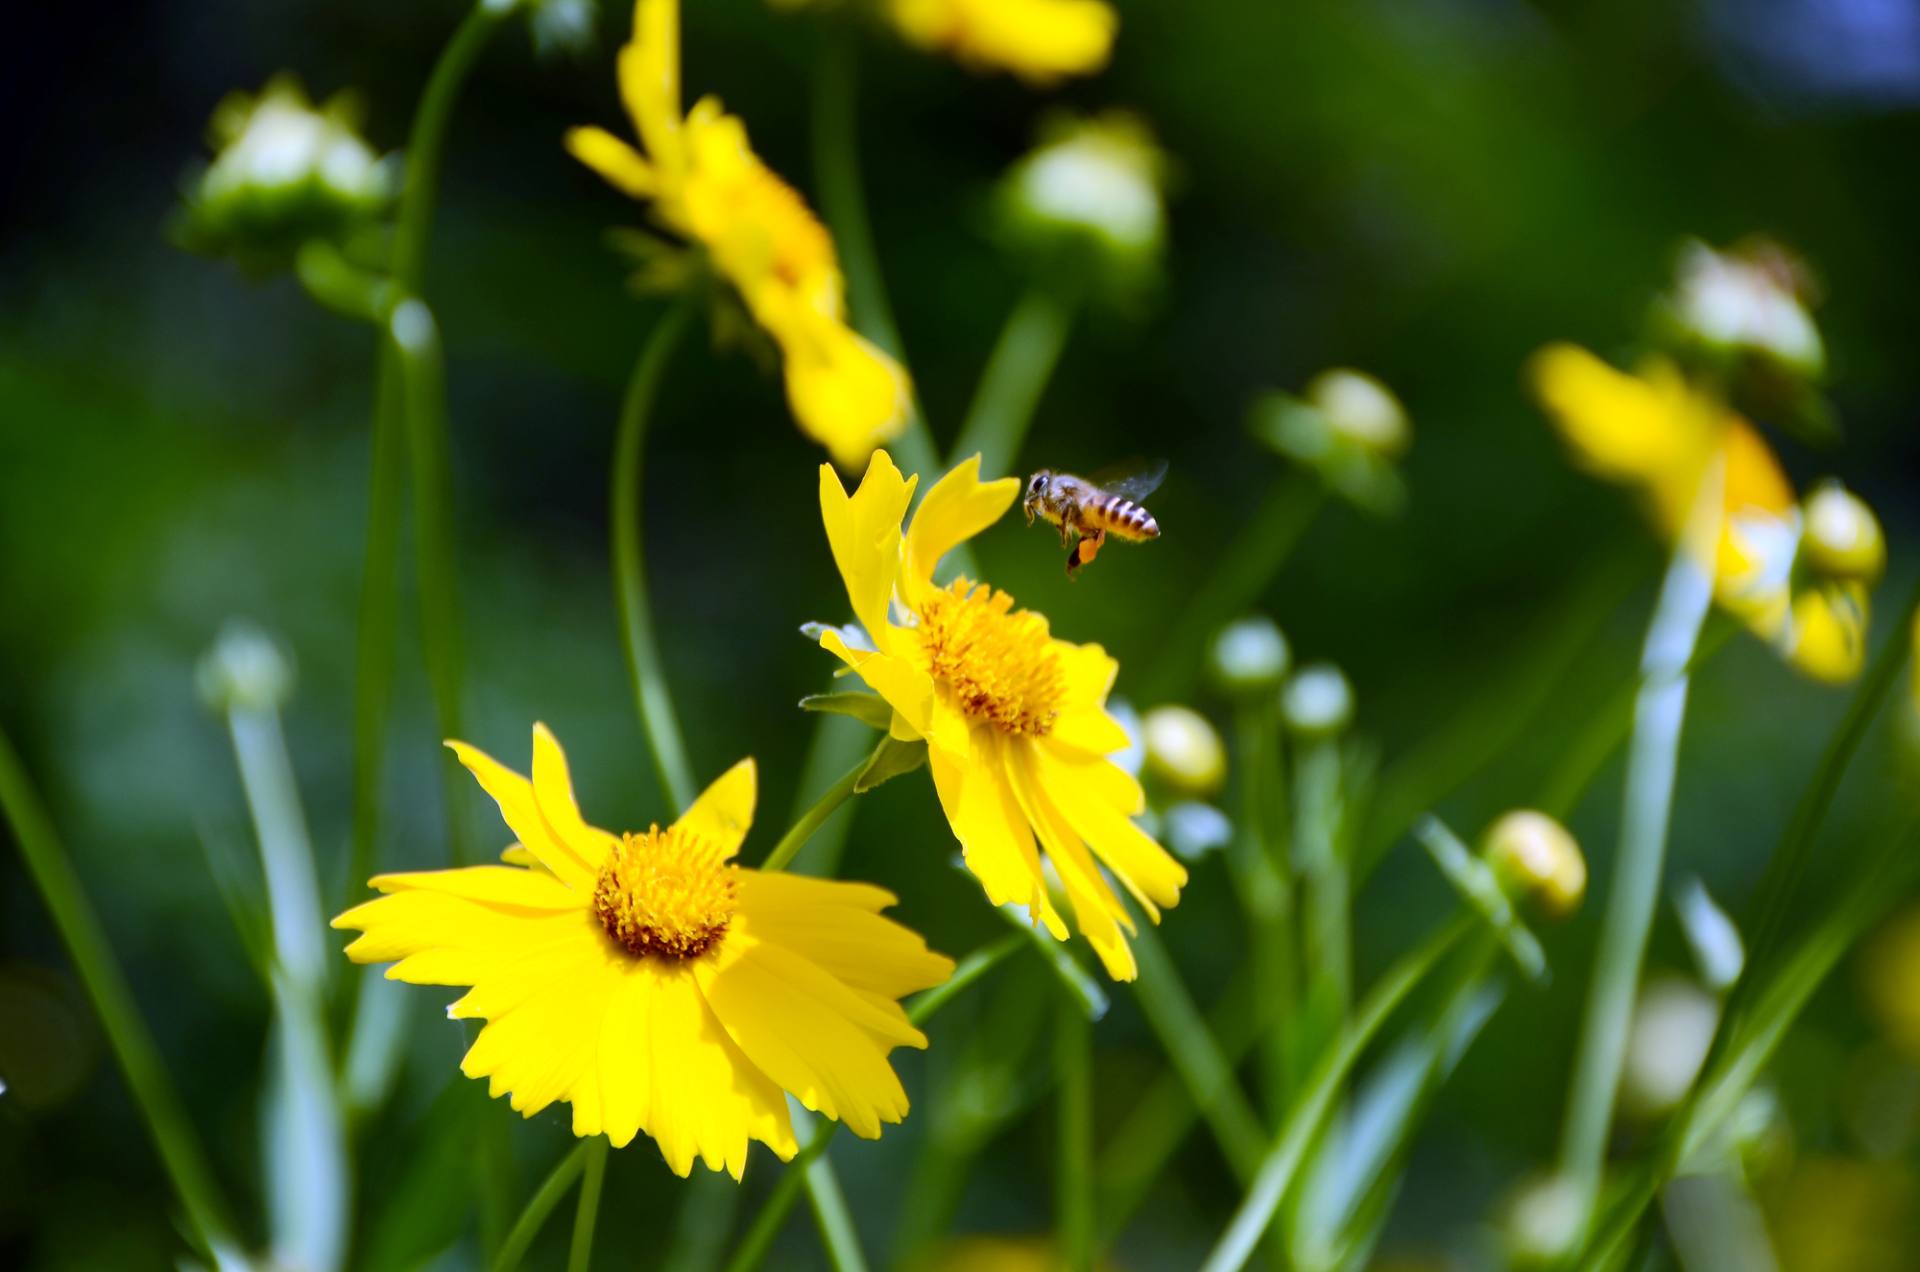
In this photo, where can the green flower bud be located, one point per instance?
(1249, 656)
(1090, 191)
(1749, 300)
(1361, 411)
(1349, 428)
(1537, 862)
(1842, 539)
(1317, 702)
(1673, 1025)
(1184, 753)
(245, 670)
(1540, 1222)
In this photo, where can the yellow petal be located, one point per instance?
(649, 70)
(575, 864)
(705, 1098)
(995, 840)
(614, 160)
(1096, 796)
(1649, 430)
(1096, 911)
(1038, 40)
(838, 926)
(538, 1047)
(1086, 673)
(845, 394)
(449, 927)
(553, 793)
(958, 507)
(1827, 639)
(907, 689)
(724, 811)
(863, 529)
(809, 1032)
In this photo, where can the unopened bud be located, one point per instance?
(1673, 1025)
(1843, 539)
(1541, 1221)
(1095, 182)
(1250, 656)
(1317, 702)
(1537, 861)
(1749, 300)
(244, 671)
(1361, 410)
(1184, 753)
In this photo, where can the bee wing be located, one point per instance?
(1133, 479)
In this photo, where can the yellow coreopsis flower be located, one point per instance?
(650, 982)
(1657, 433)
(1041, 41)
(1015, 721)
(707, 186)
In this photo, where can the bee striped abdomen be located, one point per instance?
(1124, 518)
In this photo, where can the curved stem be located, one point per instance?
(1073, 1180)
(810, 821)
(1659, 711)
(580, 1252)
(1317, 1097)
(426, 142)
(650, 690)
(373, 657)
(1016, 375)
(139, 1059)
(779, 1204)
(538, 1207)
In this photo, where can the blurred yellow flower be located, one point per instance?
(650, 982)
(1657, 433)
(706, 185)
(1015, 721)
(1041, 41)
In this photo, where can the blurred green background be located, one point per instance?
(1428, 190)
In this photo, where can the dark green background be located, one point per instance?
(1426, 190)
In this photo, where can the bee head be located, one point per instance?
(1036, 492)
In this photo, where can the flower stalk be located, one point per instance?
(1073, 1178)
(1014, 379)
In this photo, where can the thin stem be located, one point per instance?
(1073, 1180)
(1282, 1161)
(795, 839)
(830, 1211)
(1659, 711)
(786, 1190)
(1249, 564)
(1195, 1054)
(373, 657)
(427, 141)
(133, 1047)
(1265, 890)
(580, 1252)
(1016, 375)
(538, 1207)
(651, 694)
(1324, 911)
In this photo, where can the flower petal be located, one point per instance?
(544, 1035)
(1095, 796)
(906, 688)
(995, 839)
(575, 865)
(844, 392)
(958, 507)
(649, 71)
(553, 794)
(622, 166)
(838, 926)
(1096, 911)
(724, 811)
(864, 532)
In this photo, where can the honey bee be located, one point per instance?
(1087, 510)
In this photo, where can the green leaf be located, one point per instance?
(890, 759)
(869, 709)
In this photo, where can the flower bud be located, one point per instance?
(560, 26)
(1317, 702)
(1092, 186)
(1537, 862)
(284, 172)
(1826, 637)
(1749, 300)
(1673, 1026)
(1842, 539)
(1193, 829)
(1541, 1221)
(244, 671)
(1249, 656)
(1361, 410)
(1184, 754)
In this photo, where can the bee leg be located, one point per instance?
(1069, 523)
(1084, 551)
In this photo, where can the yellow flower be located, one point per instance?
(1041, 41)
(1015, 721)
(707, 186)
(649, 982)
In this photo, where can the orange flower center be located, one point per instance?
(996, 661)
(665, 893)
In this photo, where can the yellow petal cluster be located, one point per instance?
(1041, 41)
(1018, 735)
(651, 983)
(1660, 435)
(707, 186)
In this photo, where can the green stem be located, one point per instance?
(1282, 1161)
(1265, 891)
(1326, 937)
(1073, 1181)
(830, 1211)
(1659, 711)
(426, 143)
(786, 1190)
(373, 658)
(538, 1207)
(133, 1046)
(580, 1252)
(810, 821)
(1016, 375)
(1249, 564)
(1190, 1045)
(650, 690)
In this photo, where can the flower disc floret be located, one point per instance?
(666, 893)
(998, 663)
